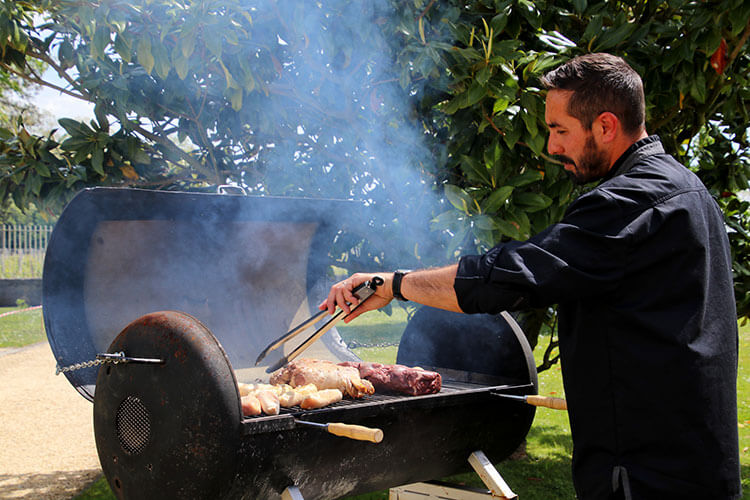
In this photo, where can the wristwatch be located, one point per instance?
(396, 285)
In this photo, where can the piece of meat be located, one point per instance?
(325, 375)
(250, 405)
(413, 381)
(322, 398)
(293, 396)
(269, 402)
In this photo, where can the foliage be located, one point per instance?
(333, 98)
(482, 98)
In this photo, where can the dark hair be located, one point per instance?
(601, 82)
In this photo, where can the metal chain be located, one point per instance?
(88, 364)
(353, 344)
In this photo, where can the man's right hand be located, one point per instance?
(341, 295)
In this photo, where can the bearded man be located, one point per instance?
(640, 268)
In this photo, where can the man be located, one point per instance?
(641, 270)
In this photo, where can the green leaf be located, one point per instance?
(235, 97)
(532, 202)
(101, 117)
(499, 22)
(594, 28)
(580, 6)
(507, 229)
(74, 127)
(97, 161)
(213, 41)
(100, 42)
(145, 57)
(42, 169)
(474, 170)
(180, 65)
(123, 47)
(186, 44)
(161, 60)
(613, 36)
(483, 222)
(484, 74)
(495, 201)
(698, 87)
(458, 197)
(527, 177)
(447, 220)
(475, 94)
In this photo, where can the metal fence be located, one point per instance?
(22, 250)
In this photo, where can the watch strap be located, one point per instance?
(398, 276)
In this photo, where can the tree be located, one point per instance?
(192, 94)
(488, 106)
(323, 99)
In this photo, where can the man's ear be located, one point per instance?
(608, 126)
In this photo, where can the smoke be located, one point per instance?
(338, 124)
(333, 122)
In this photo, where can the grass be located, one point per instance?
(21, 265)
(543, 474)
(22, 328)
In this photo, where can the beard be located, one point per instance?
(591, 166)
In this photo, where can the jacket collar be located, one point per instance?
(647, 146)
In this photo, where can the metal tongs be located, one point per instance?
(363, 292)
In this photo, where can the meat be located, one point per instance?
(251, 405)
(269, 402)
(325, 375)
(398, 378)
(321, 398)
(293, 396)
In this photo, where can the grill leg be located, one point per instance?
(434, 490)
(291, 493)
(490, 476)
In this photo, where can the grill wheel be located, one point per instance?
(168, 430)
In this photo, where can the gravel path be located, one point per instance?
(47, 449)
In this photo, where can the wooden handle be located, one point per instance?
(356, 432)
(547, 402)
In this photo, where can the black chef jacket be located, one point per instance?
(641, 270)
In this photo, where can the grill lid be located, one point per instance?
(244, 266)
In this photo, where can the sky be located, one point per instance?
(59, 105)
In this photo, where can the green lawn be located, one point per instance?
(543, 474)
(22, 328)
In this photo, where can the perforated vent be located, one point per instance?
(133, 425)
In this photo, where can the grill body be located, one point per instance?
(203, 283)
(175, 430)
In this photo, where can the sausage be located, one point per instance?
(250, 405)
(295, 395)
(321, 398)
(269, 402)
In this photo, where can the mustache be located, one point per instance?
(564, 159)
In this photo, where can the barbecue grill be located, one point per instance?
(157, 303)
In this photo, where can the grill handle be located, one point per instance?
(358, 432)
(535, 400)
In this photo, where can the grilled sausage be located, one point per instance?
(321, 398)
(269, 402)
(250, 405)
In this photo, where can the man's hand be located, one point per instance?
(341, 294)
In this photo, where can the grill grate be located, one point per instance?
(133, 425)
(448, 387)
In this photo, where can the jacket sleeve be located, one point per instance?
(583, 255)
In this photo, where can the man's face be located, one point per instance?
(571, 143)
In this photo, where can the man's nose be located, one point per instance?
(553, 147)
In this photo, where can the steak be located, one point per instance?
(398, 378)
